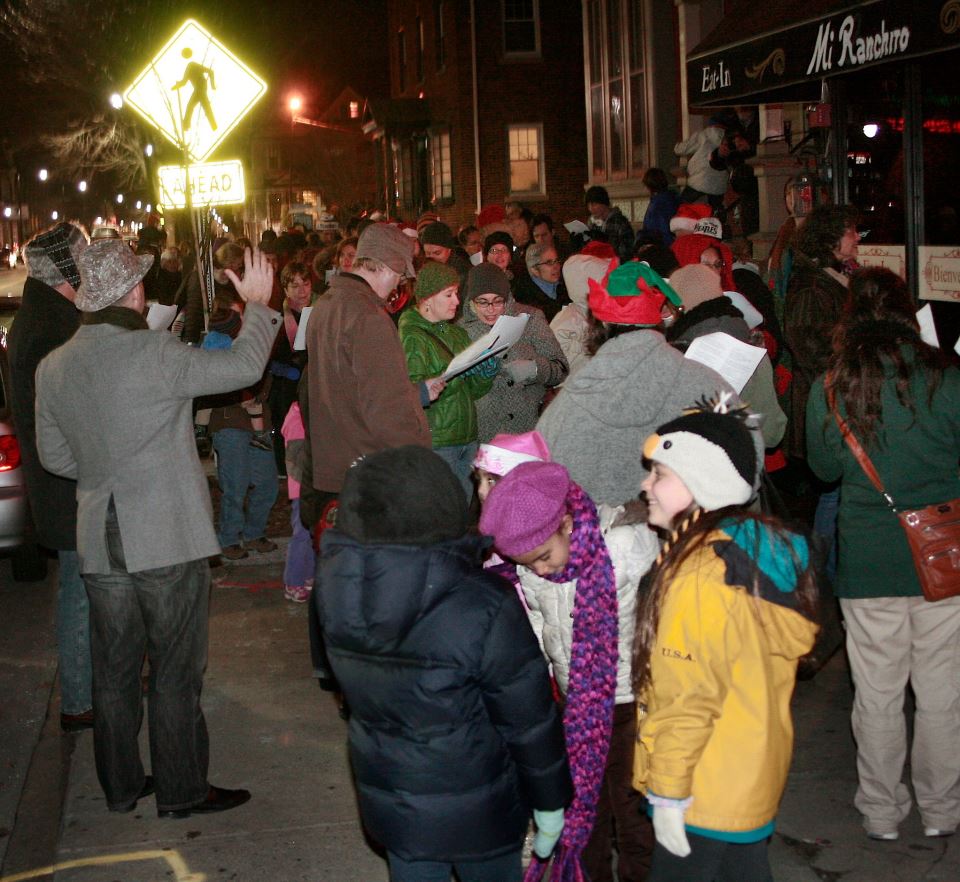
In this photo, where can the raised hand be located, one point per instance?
(256, 286)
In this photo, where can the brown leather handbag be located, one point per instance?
(933, 532)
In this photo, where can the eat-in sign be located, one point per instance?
(195, 91)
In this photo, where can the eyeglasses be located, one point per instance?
(713, 264)
(499, 249)
(496, 303)
(554, 262)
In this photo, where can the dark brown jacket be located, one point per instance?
(361, 399)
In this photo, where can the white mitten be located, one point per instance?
(522, 371)
(549, 827)
(669, 830)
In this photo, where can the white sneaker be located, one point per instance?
(892, 836)
(936, 832)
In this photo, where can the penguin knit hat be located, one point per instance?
(503, 453)
(403, 495)
(711, 450)
(525, 508)
(52, 256)
(433, 278)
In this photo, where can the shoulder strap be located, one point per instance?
(855, 447)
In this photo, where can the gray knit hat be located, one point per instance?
(487, 278)
(387, 244)
(52, 255)
(108, 270)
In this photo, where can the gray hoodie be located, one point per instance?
(596, 426)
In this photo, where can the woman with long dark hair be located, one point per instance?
(902, 403)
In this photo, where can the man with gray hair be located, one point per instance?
(114, 412)
(542, 285)
(46, 319)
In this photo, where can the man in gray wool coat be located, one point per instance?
(114, 412)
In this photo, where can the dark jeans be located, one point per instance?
(620, 804)
(162, 612)
(505, 868)
(711, 860)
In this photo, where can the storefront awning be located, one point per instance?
(768, 51)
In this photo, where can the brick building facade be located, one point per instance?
(452, 141)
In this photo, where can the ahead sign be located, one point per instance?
(211, 183)
(195, 91)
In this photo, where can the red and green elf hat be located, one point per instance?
(631, 294)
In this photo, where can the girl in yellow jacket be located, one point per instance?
(729, 612)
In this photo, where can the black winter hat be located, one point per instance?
(404, 496)
(438, 233)
(498, 237)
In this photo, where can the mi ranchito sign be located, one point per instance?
(853, 49)
(854, 37)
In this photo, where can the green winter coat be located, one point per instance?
(917, 463)
(429, 347)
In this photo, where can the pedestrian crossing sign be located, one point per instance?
(195, 91)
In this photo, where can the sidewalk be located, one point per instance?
(272, 730)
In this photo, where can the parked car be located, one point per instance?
(17, 533)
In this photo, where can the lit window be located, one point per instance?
(525, 153)
(441, 167)
(618, 141)
(354, 110)
(521, 27)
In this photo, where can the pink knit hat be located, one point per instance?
(503, 453)
(525, 508)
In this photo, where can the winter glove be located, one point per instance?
(521, 371)
(549, 827)
(485, 369)
(668, 824)
(279, 369)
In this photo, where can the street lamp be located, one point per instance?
(119, 198)
(116, 101)
(295, 104)
(139, 204)
(148, 150)
(42, 174)
(8, 212)
(54, 215)
(82, 186)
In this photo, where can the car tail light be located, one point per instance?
(9, 452)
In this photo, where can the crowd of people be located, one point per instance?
(554, 581)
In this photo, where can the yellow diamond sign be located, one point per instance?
(195, 91)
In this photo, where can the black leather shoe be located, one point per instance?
(76, 722)
(218, 799)
(146, 790)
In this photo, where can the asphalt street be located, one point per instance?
(274, 732)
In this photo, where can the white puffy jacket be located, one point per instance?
(633, 549)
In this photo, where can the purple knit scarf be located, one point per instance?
(591, 691)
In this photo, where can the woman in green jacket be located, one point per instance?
(430, 340)
(902, 403)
